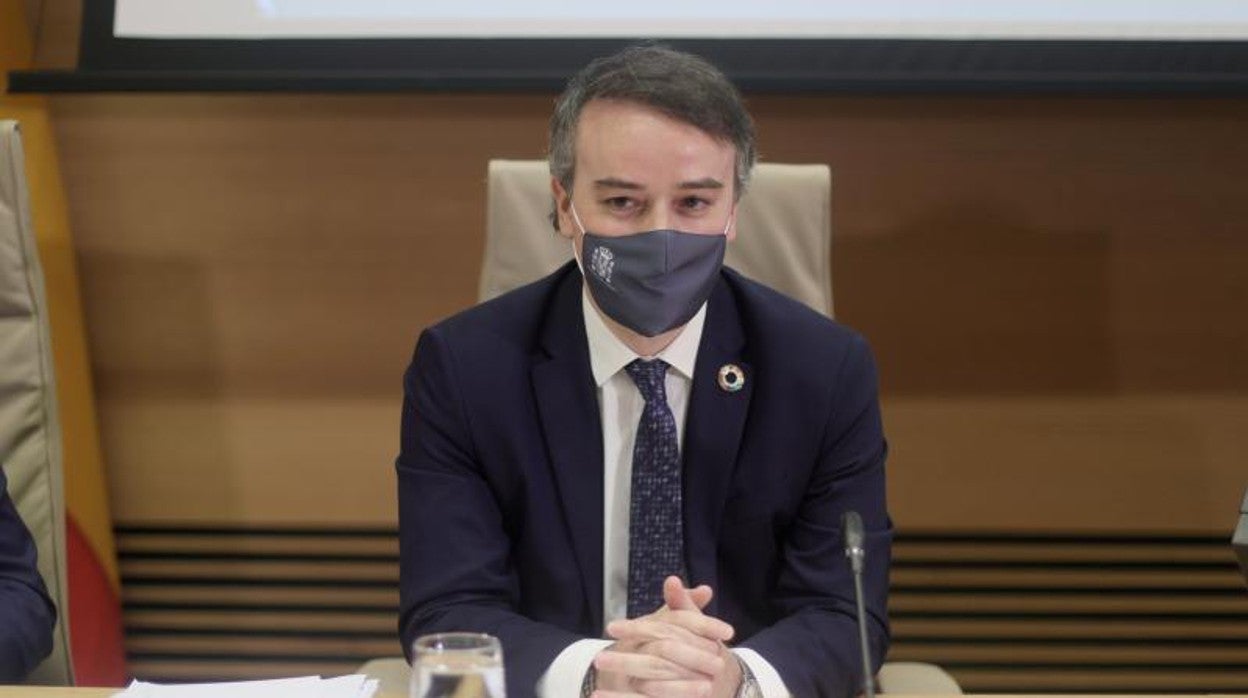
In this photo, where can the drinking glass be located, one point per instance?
(457, 665)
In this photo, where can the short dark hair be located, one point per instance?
(681, 85)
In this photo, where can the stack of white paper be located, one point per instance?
(353, 686)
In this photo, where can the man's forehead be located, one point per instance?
(605, 112)
(627, 145)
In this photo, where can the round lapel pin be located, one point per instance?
(731, 378)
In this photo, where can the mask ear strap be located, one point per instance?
(576, 218)
(732, 217)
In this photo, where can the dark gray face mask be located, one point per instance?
(653, 281)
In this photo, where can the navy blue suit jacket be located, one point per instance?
(500, 481)
(26, 613)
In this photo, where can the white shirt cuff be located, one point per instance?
(564, 676)
(768, 678)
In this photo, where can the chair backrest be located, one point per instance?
(30, 437)
(784, 233)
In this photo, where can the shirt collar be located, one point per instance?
(608, 355)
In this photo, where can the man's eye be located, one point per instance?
(620, 203)
(694, 203)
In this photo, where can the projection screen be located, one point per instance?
(1194, 46)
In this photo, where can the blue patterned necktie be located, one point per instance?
(655, 536)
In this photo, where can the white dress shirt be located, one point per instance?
(621, 406)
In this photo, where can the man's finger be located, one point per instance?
(629, 632)
(643, 666)
(664, 689)
(689, 656)
(701, 596)
(676, 597)
(695, 622)
(690, 660)
(601, 693)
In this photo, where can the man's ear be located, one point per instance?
(732, 221)
(562, 216)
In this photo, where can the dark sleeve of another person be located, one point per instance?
(27, 615)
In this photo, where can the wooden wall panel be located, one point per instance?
(1054, 288)
(258, 270)
(1127, 464)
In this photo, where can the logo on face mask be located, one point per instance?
(602, 263)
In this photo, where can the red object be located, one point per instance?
(95, 629)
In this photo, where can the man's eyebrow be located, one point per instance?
(615, 183)
(704, 183)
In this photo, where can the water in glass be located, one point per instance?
(457, 665)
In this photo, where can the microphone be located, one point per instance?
(851, 523)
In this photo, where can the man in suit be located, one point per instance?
(645, 445)
(26, 613)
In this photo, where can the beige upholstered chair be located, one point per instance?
(30, 438)
(784, 239)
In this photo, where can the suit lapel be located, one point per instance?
(567, 405)
(713, 430)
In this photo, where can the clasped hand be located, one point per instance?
(676, 651)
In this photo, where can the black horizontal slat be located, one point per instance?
(1003, 689)
(258, 608)
(915, 538)
(127, 555)
(182, 678)
(267, 531)
(1152, 667)
(911, 640)
(163, 581)
(1101, 615)
(917, 589)
(1058, 565)
(999, 590)
(1123, 539)
(182, 632)
(250, 657)
(992, 590)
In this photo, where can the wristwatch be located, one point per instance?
(749, 685)
(590, 682)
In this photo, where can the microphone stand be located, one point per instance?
(854, 550)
